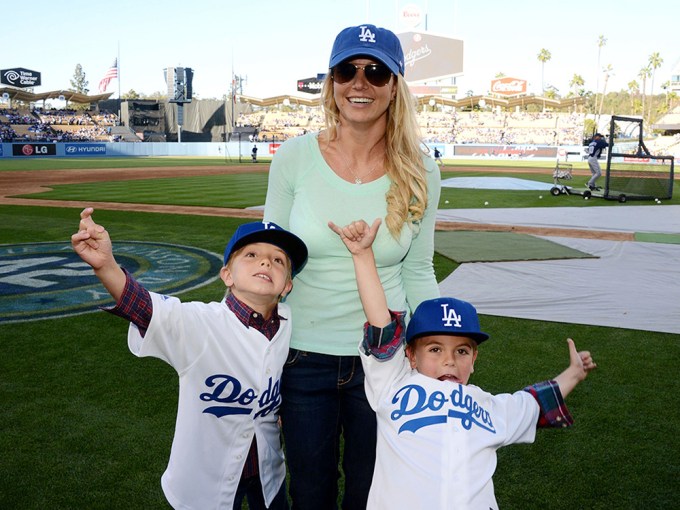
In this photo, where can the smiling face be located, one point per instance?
(258, 274)
(359, 101)
(443, 357)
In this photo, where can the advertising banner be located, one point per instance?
(506, 151)
(508, 86)
(34, 149)
(431, 57)
(85, 149)
(310, 85)
(20, 77)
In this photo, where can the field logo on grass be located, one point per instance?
(47, 280)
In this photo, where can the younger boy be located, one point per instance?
(437, 435)
(229, 357)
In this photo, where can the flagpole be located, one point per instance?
(119, 99)
(233, 91)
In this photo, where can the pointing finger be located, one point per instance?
(573, 354)
(376, 225)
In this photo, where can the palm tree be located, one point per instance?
(543, 57)
(601, 41)
(607, 73)
(633, 90)
(644, 73)
(655, 62)
(576, 84)
(665, 86)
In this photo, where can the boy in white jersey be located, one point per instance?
(437, 435)
(229, 357)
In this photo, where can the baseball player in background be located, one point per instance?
(438, 156)
(437, 435)
(594, 151)
(229, 357)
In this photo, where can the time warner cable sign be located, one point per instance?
(20, 77)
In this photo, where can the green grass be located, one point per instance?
(238, 190)
(465, 198)
(13, 164)
(243, 190)
(471, 246)
(85, 424)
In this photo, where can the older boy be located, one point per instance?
(229, 357)
(437, 435)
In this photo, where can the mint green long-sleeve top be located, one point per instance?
(303, 195)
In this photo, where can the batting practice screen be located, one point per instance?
(640, 177)
(632, 172)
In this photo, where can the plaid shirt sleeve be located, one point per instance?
(554, 412)
(134, 304)
(383, 343)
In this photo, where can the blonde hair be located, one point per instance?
(407, 196)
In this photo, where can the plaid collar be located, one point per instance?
(252, 319)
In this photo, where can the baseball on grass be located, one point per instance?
(486, 203)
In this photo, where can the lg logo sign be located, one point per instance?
(34, 149)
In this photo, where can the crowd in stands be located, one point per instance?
(454, 127)
(53, 125)
(275, 124)
(505, 128)
(665, 145)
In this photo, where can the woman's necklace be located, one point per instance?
(358, 179)
(349, 169)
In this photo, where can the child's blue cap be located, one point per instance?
(445, 316)
(271, 233)
(368, 41)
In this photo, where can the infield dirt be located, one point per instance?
(13, 183)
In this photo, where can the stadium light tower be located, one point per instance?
(179, 81)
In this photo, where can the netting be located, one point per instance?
(632, 171)
(639, 176)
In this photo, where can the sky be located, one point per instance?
(273, 43)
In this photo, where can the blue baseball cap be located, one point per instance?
(369, 41)
(445, 316)
(269, 232)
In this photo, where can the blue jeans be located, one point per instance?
(324, 397)
(251, 490)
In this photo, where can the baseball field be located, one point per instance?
(87, 425)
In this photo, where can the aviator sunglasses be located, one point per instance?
(376, 74)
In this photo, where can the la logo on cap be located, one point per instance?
(450, 317)
(366, 35)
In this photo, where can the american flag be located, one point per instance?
(110, 74)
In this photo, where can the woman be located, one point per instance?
(367, 163)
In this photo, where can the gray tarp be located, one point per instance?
(631, 285)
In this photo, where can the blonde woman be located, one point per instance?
(367, 163)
